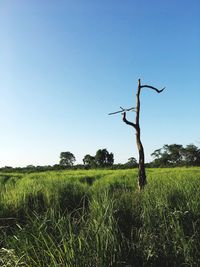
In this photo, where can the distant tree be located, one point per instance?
(169, 155)
(110, 159)
(67, 159)
(191, 155)
(104, 158)
(161, 160)
(176, 155)
(132, 162)
(8, 167)
(157, 153)
(89, 161)
(30, 166)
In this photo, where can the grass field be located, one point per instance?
(98, 218)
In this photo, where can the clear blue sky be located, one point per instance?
(64, 65)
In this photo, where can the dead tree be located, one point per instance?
(141, 166)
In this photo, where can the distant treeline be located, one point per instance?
(176, 155)
(173, 155)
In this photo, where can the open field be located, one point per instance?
(98, 218)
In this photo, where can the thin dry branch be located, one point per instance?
(153, 88)
(122, 110)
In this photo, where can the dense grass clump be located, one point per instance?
(98, 218)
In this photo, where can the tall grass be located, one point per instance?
(98, 218)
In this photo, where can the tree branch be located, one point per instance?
(153, 88)
(122, 110)
(126, 121)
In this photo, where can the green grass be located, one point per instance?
(98, 218)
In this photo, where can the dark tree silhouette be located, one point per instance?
(103, 158)
(67, 159)
(141, 164)
(89, 161)
(132, 162)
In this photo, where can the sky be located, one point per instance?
(64, 65)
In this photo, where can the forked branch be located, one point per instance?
(126, 121)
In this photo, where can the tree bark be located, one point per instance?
(141, 168)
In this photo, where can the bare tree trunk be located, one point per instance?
(141, 168)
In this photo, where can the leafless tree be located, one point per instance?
(141, 166)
